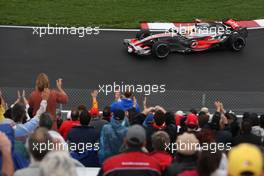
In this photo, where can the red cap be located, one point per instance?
(191, 120)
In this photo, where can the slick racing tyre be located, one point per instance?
(237, 43)
(142, 34)
(160, 50)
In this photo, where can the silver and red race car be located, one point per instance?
(199, 37)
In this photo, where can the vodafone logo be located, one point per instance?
(194, 44)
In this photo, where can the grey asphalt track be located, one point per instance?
(93, 60)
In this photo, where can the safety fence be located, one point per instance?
(173, 100)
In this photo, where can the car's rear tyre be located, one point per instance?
(237, 43)
(143, 34)
(160, 50)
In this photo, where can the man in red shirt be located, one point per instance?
(133, 161)
(68, 124)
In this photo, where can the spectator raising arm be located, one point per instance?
(62, 96)
(5, 148)
(28, 127)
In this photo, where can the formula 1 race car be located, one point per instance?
(198, 37)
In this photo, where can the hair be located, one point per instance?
(261, 121)
(215, 122)
(107, 112)
(128, 94)
(203, 119)
(246, 115)
(82, 108)
(131, 114)
(254, 119)
(159, 117)
(42, 82)
(208, 162)
(159, 140)
(246, 126)
(39, 137)
(85, 118)
(193, 111)
(58, 163)
(18, 113)
(169, 118)
(119, 114)
(75, 114)
(45, 120)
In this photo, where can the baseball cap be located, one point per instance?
(205, 110)
(187, 144)
(136, 135)
(191, 120)
(245, 158)
(179, 115)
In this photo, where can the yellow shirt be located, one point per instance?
(2, 111)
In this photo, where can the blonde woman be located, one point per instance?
(58, 96)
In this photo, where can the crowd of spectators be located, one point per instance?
(124, 138)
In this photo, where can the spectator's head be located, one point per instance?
(193, 111)
(37, 139)
(119, 114)
(190, 140)
(208, 162)
(231, 117)
(246, 115)
(246, 126)
(215, 123)
(205, 110)
(8, 114)
(159, 118)
(245, 160)
(85, 118)
(203, 119)
(81, 108)
(45, 120)
(58, 163)
(59, 141)
(159, 140)
(254, 119)
(169, 118)
(131, 113)
(191, 122)
(261, 121)
(128, 94)
(135, 137)
(206, 135)
(75, 114)
(42, 82)
(18, 113)
(107, 113)
(178, 116)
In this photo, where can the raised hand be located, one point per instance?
(59, 83)
(94, 94)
